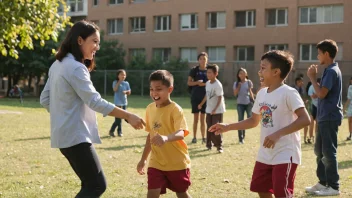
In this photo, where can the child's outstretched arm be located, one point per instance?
(143, 161)
(302, 121)
(160, 140)
(249, 123)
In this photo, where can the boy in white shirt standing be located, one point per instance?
(281, 112)
(215, 106)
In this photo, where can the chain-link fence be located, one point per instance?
(138, 79)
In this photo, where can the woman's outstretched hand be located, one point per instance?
(135, 121)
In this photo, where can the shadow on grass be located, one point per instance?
(29, 102)
(206, 153)
(307, 147)
(35, 138)
(119, 148)
(345, 164)
(122, 138)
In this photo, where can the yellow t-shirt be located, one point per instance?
(167, 120)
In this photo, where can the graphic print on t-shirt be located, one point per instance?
(156, 126)
(266, 110)
(211, 94)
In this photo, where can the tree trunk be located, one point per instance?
(37, 87)
(9, 85)
(29, 83)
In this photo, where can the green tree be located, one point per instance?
(25, 20)
(111, 54)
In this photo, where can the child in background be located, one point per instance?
(169, 162)
(121, 91)
(348, 109)
(215, 106)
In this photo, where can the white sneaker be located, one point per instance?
(328, 191)
(316, 187)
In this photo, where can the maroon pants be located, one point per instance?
(211, 137)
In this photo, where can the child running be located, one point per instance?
(169, 162)
(281, 112)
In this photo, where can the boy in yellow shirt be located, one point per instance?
(169, 162)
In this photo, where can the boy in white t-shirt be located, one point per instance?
(215, 106)
(281, 112)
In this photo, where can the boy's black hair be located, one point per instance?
(164, 76)
(299, 78)
(213, 67)
(329, 46)
(279, 59)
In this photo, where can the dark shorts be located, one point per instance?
(195, 104)
(276, 179)
(177, 181)
(313, 111)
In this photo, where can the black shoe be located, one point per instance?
(194, 140)
(309, 141)
(348, 138)
(111, 134)
(204, 141)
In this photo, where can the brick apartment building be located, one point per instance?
(235, 33)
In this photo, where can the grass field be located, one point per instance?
(30, 168)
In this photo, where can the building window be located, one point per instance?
(276, 47)
(95, 2)
(96, 22)
(245, 53)
(75, 5)
(162, 23)
(321, 14)
(308, 52)
(162, 54)
(113, 2)
(339, 55)
(245, 18)
(216, 20)
(137, 52)
(277, 17)
(189, 54)
(137, 1)
(216, 54)
(189, 21)
(137, 24)
(115, 26)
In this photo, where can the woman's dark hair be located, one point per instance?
(70, 44)
(118, 73)
(202, 54)
(238, 73)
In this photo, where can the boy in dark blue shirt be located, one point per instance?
(329, 118)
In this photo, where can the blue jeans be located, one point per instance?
(117, 123)
(325, 149)
(241, 109)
